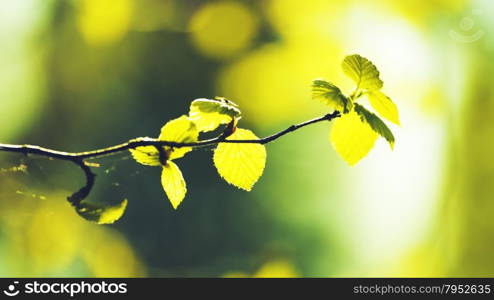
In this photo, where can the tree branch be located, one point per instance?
(78, 158)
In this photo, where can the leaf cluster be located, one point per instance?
(239, 164)
(242, 163)
(355, 133)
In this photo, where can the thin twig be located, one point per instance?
(79, 157)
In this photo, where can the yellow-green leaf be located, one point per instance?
(384, 106)
(363, 72)
(376, 124)
(146, 155)
(173, 183)
(180, 130)
(101, 213)
(240, 164)
(352, 138)
(331, 95)
(208, 114)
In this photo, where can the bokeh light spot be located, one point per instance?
(103, 22)
(223, 29)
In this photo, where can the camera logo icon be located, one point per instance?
(11, 290)
(469, 33)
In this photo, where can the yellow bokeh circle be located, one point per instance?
(222, 29)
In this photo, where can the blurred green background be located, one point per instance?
(81, 75)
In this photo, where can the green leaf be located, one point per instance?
(146, 155)
(180, 130)
(363, 72)
(240, 164)
(209, 114)
(331, 95)
(384, 106)
(376, 124)
(352, 138)
(101, 213)
(173, 183)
